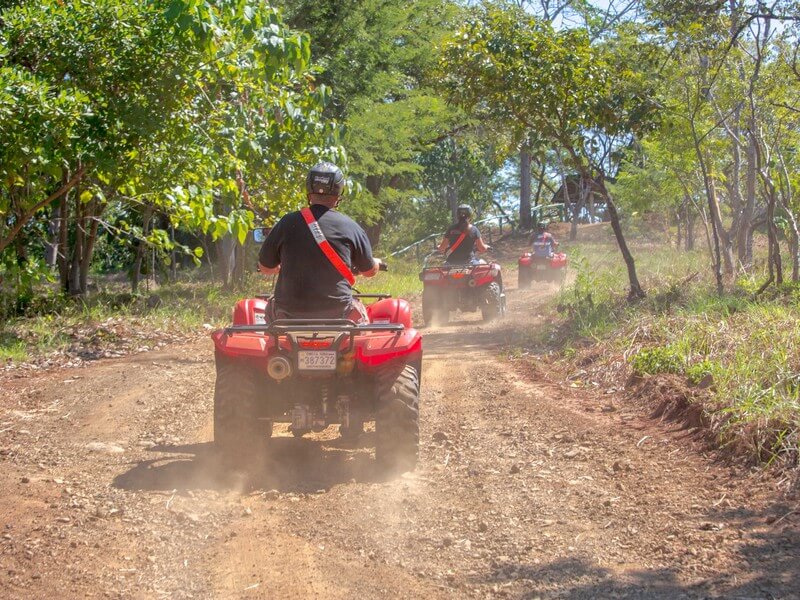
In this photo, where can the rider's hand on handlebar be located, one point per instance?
(382, 266)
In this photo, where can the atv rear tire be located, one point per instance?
(238, 432)
(525, 278)
(397, 420)
(492, 302)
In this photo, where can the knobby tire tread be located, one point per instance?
(397, 419)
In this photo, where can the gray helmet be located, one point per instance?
(463, 212)
(325, 179)
(542, 225)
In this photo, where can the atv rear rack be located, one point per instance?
(288, 327)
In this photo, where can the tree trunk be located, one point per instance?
(713, 209)
(374, 232)
(74, 280)
(136, 273)
(567, 199)
(794, 230)
(226, 251)
(585, 187)
(240, 256)
(679, 222)
(525, 189)
(744, 242)
(537, 199)
(63, 242)
(690, 219)
(794, 244)
(88, 250)
(51, 245)
(772, 229)
(636, 292)
(173, 256)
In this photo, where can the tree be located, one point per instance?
(203, 111)
(558, 84)
(380, 60)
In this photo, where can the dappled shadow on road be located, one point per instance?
(290, 465)
(764, 565)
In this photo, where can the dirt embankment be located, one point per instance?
(526, 489)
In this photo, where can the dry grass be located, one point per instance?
(736, 354)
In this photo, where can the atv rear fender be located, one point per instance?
(372, 349)
(486, 274)
(390, 310)
(558, 260)
(250, 311)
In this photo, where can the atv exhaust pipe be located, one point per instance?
(279, 368)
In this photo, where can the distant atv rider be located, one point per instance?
(544, 244)
(462, 239)
(314, 252)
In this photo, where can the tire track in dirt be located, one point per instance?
(109, 488)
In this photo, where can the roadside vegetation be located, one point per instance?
(112, 321)
(728, 364)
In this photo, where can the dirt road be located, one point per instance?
(526, 489)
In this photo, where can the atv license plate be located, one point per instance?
(316, 360)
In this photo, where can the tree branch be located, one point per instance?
(26, 216)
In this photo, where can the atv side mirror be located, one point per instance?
(260, 234)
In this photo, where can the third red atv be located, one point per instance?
(467, 287)
(541, 268)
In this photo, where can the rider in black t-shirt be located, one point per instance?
(462, 239)
(308, 284)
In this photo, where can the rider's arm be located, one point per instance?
(374, 270)
(362, 258)
(480, 246)
(444, 245)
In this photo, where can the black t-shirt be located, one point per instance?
(466, 250)
(307, 281)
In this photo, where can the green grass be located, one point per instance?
(177, 309)
(748, 345)
(401, 280)
(12, 349)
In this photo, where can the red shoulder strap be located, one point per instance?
(457, 243)
(326, 247)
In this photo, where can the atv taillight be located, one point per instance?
(314, 344)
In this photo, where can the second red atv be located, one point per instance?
(541, 268)
(467, 288)
(312, 373)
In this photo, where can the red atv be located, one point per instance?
(312, 373)
(541, 268)
(467, 288)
